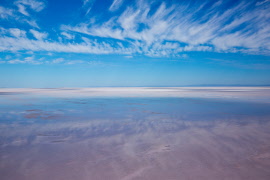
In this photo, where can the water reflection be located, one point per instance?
(133, 138)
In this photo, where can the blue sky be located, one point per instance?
(83, 43)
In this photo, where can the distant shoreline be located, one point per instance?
(259, 94)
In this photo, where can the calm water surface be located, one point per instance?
(50, 138)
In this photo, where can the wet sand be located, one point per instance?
(135, 133)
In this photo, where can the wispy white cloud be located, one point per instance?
(115, 5)
(22, 12)
(32, 4)
(71, 62)
(88, 4)
(39, 35)
(129, 57)
(154, 29)
(48, 60)
(26, 60)
(58, 60)
(67, 35)
(16, 61)
(262, 2)
(96, 63)
(17, 32)
(32, 23)
(207, 28)
(5, 13)
(17, 44)
(22, 9)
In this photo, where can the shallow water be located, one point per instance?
(121, 138)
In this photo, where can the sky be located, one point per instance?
(93, 43)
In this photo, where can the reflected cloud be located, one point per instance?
(105, 138)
